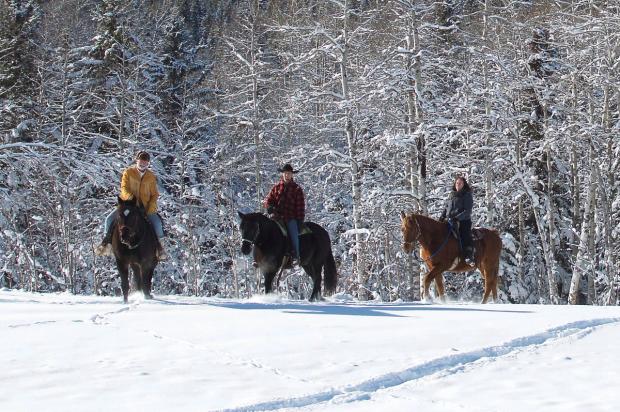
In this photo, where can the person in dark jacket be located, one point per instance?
(458, 209)
(286, 201)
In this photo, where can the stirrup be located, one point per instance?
(288, 262)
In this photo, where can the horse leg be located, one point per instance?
(269, 280)
(137, 277)
(495, 280)
(487, 288)
(123, 270)
(428, 278)
(147, 282)
(314, 271)
(490, 284)
(440, 288)
(494, 288)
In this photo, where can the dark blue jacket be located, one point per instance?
(459, 206)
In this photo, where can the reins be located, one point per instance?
(141, 232)
(253, 241)
(417, 239)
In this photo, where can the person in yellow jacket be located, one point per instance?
(138, 182)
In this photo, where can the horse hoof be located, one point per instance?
(148, 296)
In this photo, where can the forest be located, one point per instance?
(379, 103)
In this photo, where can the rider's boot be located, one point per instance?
(469, 256)
(161, 251)
(105, 247)
(294, 259)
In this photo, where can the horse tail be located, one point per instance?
(330, 273)
(493, 275)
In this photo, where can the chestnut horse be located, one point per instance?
(441, 252)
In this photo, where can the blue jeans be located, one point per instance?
(293, 232)
(153, 218)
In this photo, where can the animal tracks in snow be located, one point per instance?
(440, 367)
(22, 325)
(103, 319)
(225, 357)
(97, 319)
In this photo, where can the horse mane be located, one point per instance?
(422, 219)
(425, 218)
(256, 215)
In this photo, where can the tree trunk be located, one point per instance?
(488, 173)
(356, 182)
(575, 186)
(415, 116)
(552, 268)
(256, 121)
(545, 238)
(581, 260)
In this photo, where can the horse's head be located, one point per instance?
(129, 221)
(250, 229)
(410, 229)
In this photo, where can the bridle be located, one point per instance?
(251, 242)
(417, 238)
(120, 233)
(418, 234)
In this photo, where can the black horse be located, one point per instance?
(265, 237)
(134, 244)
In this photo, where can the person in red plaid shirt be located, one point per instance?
(285, 201)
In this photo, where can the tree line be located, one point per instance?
(380, 104)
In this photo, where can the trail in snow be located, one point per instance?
(445, 366)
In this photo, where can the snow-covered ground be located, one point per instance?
(83, 353)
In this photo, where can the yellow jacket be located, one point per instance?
(142, 188)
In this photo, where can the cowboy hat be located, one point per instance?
(287, 168)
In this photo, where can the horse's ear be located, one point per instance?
(241, 215)
(403, 216)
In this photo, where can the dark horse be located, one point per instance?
(265, 237)
(441, 252)
(134, 244)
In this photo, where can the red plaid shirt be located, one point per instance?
(288, 201)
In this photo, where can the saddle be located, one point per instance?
(476, 235)
(476, 232)
(303, 230)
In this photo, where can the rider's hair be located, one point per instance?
(142, 155)
(466, 186)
